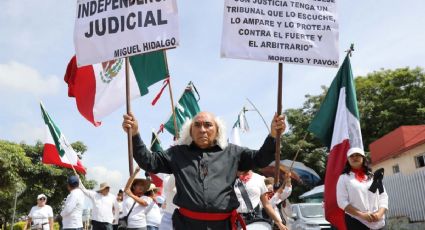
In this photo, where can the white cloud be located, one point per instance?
(27, 132)
(15, 76)
(101, 174)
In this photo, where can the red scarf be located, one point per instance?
(245, 177)
(359, 174)
(269, 195)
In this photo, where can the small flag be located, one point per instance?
(57, 150)
(186, 108)
(240, 124)
(158, 178)
(243, 122)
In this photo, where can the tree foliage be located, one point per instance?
(23, 173)
(388, 99)
(12, 164)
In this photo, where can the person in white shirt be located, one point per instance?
(135, 203)
(278, 199)
(41, 215)
(120, 198)
(168, 207)
(105, 207)
(153, 212)
(256, 189)
(72, 213)
(363, 209)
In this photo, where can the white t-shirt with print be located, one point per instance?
(40, 215)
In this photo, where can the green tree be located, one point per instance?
(79, 147)
(12, 164)
(388, 99)
(298, 139)
(21, 167)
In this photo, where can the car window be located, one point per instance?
(294, 209)
(311, 211)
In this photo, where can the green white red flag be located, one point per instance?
(100, 89)
(337, 125)
(57, 150)
(186, 108)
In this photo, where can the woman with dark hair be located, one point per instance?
(363, 209)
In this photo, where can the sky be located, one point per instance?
(36, 44)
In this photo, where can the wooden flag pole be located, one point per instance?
(278, 134)
(296, 154)
(176, 129)
(128, 104)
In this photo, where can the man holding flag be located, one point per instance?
(204, 166)
(72, 212)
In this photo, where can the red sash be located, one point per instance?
(233, 215)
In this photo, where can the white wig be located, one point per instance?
(186, 138)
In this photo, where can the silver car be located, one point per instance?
(308, 216)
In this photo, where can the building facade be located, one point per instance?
(400, 151)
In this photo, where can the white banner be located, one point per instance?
(298, 31)
(111, 29)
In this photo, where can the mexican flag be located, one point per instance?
(337, 125)
(240, 124)
(100, 89)
(186, 108)
(57, 150)
(157, 179)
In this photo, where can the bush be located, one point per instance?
(55, 226)
(19, 225)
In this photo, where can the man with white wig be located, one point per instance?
(204, 165)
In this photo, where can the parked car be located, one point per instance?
(308, 216)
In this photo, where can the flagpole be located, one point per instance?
(72, 166)
(258, 111)
(296, 154)
(128, 105)
(176, 129)
(279, 112)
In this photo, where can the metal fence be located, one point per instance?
(406, 195)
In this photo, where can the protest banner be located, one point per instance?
(111, 29)
(298, 31)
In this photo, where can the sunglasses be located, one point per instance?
(42, 198)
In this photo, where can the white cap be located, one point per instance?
(41, 196)
(355, 150)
